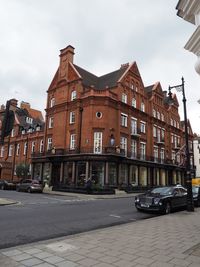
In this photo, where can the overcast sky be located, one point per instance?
(105, 34)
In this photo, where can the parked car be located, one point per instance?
(7, 185)
(30, 186)
(162, 199)
(196, 195)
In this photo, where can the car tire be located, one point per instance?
(167, 209)
(29, 190)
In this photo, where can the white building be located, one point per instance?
(189, 10)
(196, 147)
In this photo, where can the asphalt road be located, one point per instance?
(43, 216)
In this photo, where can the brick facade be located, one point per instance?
(111, 128)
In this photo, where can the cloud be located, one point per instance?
(105, 34)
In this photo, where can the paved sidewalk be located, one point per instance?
(164, 241)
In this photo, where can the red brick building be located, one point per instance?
(110, 128)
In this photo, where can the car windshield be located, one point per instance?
(162, 191)
(195, 190)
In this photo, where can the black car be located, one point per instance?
(7, 185)
(162, 199)
(196, 195)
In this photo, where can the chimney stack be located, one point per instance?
(67, 53)
(25, 105)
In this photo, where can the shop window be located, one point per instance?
(112, 174)
(68, 173)
(134, 175)
(143, 176)
(97, 173)
(46, 173)
(123, 175)
(81, 173)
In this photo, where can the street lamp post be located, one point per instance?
(188, 179)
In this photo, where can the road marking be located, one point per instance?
(115, 216)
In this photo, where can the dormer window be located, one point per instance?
(73, 95)
(38, 128)
(30, 130)
(29, 120)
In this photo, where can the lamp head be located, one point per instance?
(170, 98)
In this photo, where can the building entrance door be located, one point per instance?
(55, 174)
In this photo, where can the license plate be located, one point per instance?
(145, 205)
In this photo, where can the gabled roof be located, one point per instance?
(100, 83)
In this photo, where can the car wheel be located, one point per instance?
(17, 189)
(29, 190)
(167, 209)
(2, 187)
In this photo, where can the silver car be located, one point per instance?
(30, 186)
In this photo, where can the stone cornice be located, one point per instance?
(187, 9)
(193, 45)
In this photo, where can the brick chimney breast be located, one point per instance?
(66, 56)
(67, 53)
(25, 105)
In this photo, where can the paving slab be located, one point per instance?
(169, 241)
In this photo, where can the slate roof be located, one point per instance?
(103, 81)
(148, 89)
(22, 114)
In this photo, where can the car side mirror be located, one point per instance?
(175, 193)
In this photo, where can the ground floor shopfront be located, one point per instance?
(105, 171)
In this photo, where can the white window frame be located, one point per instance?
(143, 126)
(123, 144)
(49, 143)
(154, 113)
(25, 148)
(155, 153)
(33, 147)
(10, 151)
(134, 103)
(2, 152)
(162, 155)
(98, 140)
(154, 131)
(41, 145)
(17, 149)
(50, 122)
(73, 95)
(133, 149)
(133, 125)
(72, 141)
(124, 98)
(142, 107)
(124, 119)
(142, 150)
(52, 102)
(162, 117)
(72, 117)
